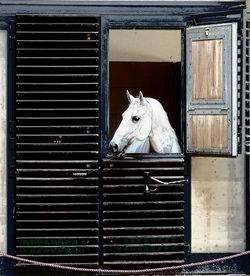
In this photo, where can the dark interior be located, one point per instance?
(159, 80)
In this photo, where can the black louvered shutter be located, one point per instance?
(142, 228)
(57, 126)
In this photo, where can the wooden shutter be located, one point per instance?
(212, 89)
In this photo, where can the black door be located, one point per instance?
(72, 207)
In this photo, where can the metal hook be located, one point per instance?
(147, 184)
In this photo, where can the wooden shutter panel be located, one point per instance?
(212, 89)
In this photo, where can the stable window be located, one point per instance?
(150, 61)
(146, 60)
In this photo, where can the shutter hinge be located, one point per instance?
(12, 36)
(187, 249)
(11, 42)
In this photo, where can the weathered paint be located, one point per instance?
(218, 204)
(3, 72)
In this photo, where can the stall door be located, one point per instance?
(143, 219)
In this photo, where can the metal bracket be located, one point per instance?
(12, 38)
(207, 31)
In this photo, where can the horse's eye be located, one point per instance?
(135, 118)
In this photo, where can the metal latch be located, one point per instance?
(147, 178)
(207, 31)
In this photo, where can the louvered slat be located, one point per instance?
(57, 132)
(143, 229)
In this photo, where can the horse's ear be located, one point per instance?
(141, 98)
(130, 97)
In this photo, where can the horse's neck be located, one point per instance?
(162, 137)
(164, 140)
(139, 146)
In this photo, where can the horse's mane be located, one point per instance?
(163, 135)
(160, 116)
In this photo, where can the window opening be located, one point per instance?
(146, 60)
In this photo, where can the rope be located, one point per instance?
(135, 271)
(171, 182)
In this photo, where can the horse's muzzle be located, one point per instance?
(113, 147)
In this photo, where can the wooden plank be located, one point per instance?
(208, 131)
(207, 62)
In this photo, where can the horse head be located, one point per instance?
(134, 128)
(144, 125)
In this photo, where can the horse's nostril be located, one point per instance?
(113, 147)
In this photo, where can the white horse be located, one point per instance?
(144, 126)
